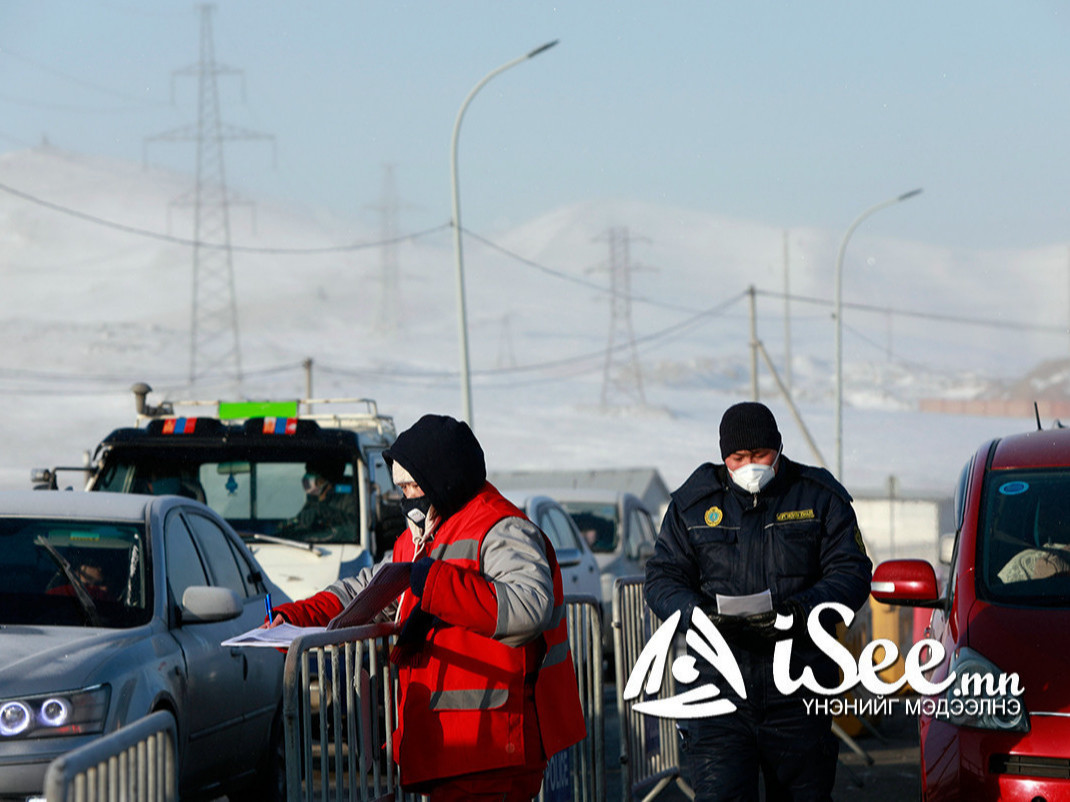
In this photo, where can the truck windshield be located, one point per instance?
(286, 499)
(73, 573)
(1025, 546)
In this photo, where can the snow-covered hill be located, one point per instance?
(91, 303)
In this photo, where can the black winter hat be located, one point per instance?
(444, 458)
(747, 426)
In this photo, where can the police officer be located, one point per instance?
(759, 522)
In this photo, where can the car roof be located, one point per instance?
(596, 494)
(1037, 449)
(523, 498)
(75, 503)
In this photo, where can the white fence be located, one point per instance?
(136, 763)
(649, 746)
(340, 709)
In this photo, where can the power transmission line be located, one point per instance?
(972, 321)
(156, 235)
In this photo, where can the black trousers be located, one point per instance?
(794, 750)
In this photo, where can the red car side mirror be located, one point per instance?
(911, 583)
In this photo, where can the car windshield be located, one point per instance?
(303, 501)
(597, 522)
(1025, 547)
(73, 573)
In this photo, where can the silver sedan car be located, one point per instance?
(579, 569)
(113, 607)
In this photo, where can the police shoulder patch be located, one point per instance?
(795, 515)
(713, 516)
(858, 540)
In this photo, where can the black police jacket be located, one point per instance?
(797, 537)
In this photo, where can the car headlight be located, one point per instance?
(983, 696)
(48, 715)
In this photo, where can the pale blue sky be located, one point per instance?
(792, 114)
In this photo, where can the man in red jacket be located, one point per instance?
(487, 687)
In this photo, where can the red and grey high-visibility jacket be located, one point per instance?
(466, 696)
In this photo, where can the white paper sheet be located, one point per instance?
(277, 637)
(752, 604)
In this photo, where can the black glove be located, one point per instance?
(729, 626)
(412, 636)
(418, 576)
(763, 625)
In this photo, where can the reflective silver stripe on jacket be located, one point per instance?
(467, 549)
(555, 654)
(477, 699)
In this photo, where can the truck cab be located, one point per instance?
(304, 482)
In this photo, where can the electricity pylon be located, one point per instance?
(622, 377)
(215, 345)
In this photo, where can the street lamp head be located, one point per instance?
(542, 48)
(910, 194)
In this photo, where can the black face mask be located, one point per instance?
(416, 509)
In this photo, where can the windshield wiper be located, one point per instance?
(80, 592)
(285, 541)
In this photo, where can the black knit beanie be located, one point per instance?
(444, 458)
(747, 426)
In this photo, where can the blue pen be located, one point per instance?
(267, 606)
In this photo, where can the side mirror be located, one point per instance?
(202, 604)
(568, 557)
(911, 583)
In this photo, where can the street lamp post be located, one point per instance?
(462, 315)
(839, 319)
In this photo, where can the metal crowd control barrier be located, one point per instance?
(340, 708)
(649, 746)
(579, 772)
(136, 763)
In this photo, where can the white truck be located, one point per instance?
(250, 462)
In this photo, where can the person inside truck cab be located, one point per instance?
(163, 481)
(330, 509)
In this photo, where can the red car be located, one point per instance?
(1005, 612)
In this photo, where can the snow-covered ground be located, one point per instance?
(87, 309)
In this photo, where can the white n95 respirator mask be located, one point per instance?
(752, 477)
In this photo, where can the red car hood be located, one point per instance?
(1032, 642)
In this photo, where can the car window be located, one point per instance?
(640, 530)
(1024, 553)
(254, 580)
(48, 564)
(554, 522)
(184, 567)
(218, 555)
(597, 522)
